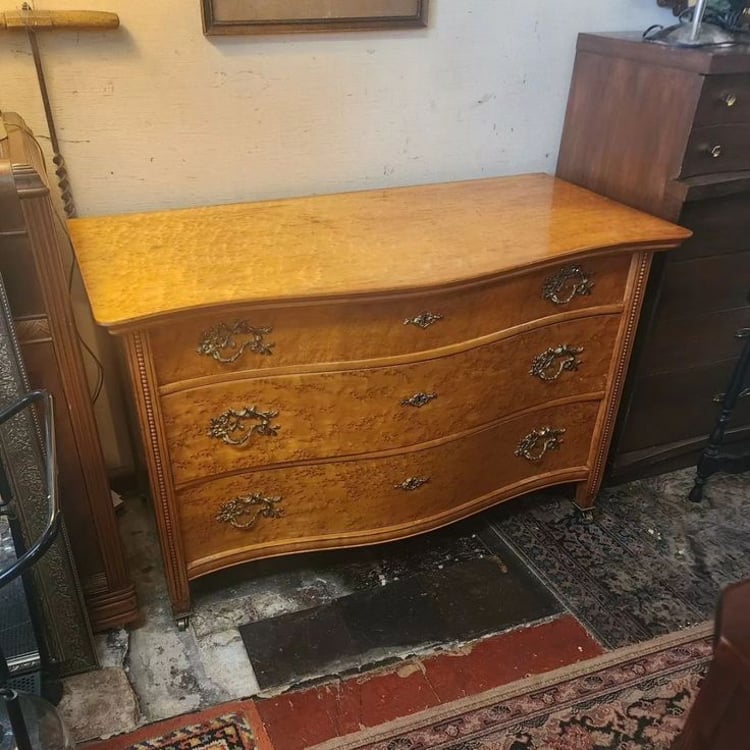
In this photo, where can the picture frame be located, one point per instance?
(221, 17)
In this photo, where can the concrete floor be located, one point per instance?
(154, 672)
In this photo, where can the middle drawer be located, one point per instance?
(231, 426)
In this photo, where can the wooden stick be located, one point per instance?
(20, 20)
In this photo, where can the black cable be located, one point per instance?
(99, 386)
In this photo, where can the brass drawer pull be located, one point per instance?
(221, 338)
(729, 98)
(418, 400)
(568, 282)
(255, 506)
(411, 484)
(715, 151)
(231, 421)
(538, 442)
(423, 320)
(550, 364)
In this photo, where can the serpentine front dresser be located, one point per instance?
(350, 369)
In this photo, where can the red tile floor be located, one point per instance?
(300, 719)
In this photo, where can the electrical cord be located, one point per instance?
(99, 386)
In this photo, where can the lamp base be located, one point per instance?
(681, 35)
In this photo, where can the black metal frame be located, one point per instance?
(712, 460)
(30, 555)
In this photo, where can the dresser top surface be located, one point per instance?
(141, 267)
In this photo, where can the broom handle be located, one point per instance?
(19, 20)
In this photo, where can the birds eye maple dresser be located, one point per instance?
(350, 369)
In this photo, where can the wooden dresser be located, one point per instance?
(350, 369)
(667, 130)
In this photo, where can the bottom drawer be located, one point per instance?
(675, 407)
(346, 503)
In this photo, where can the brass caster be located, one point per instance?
(182, 623)
(585, 515)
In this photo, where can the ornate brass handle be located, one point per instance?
(233, 421)
(565, 284)
(423, 320)
(418, 400)
(538, 442)
(254, 506)
(729, 98)
(715, 151)
(550, 364)
(221, 338)
(411, 484)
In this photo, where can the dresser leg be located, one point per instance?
(584, 502)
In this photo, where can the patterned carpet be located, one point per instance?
(634, 698)
(651, 563)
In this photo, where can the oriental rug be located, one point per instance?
(230, 730)
(633, 698)
(651, 563)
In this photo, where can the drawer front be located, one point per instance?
(357, 331)
(675, 407)
(717, 148)
(719, 225)
(349, 503)
(705, 285)
(232, 426)
(681, 343)
(724, 99)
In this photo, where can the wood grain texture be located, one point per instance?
(351, 503)
(717, 148)
(362, 330)
(587, 491)
(33, 264)
(326, 381)
(372, 242)
(639, 116)
(724, 98)
(323, 415)
(140, 366)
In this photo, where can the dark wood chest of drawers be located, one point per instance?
(667, 130)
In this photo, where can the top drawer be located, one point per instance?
(258, 339)
(724, 99)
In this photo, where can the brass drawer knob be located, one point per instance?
(730, 99)
(550, 364)
(423, 320)
(715, 151)
(227, 343)
(251, 508)
(418, 400)
(411, 484)
(569, 281)
(536, 444)
(232, 426)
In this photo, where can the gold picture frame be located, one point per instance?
(296, 16)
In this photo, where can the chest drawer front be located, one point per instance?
(717, 148)
(232, 426)
(255, 339)
(719, 226)
(355, 502)
(724, 99)
(678, 406)
(705, 285)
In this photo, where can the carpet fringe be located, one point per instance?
(504, 692)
